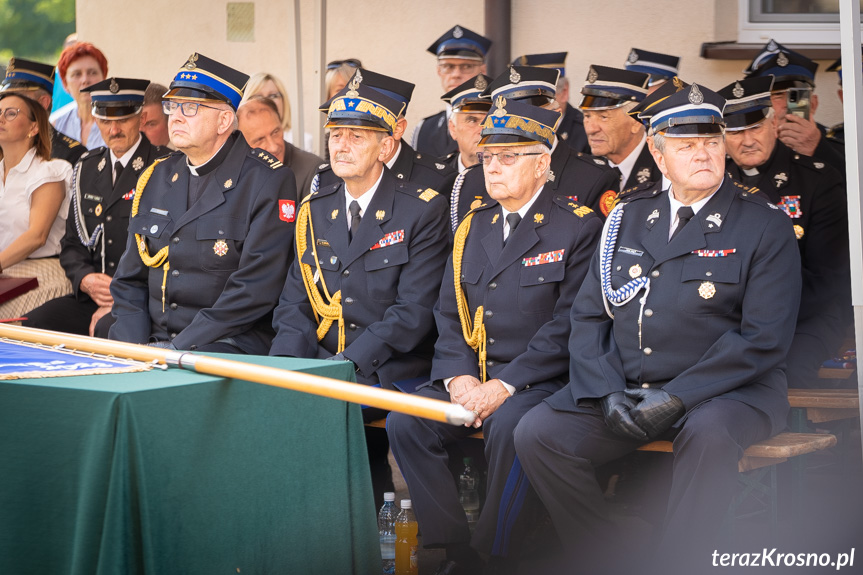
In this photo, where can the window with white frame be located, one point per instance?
(789, 21)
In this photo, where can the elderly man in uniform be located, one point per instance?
(36, 81)
(794, 84)
(521, 257)
(460, 55)
(679, 332)
(571, 128)
(261, 125)
(609, 95)
(579, 177)
(465, 123)
(370, 256)
(207, 252)
(813, 195)
(660, 67)
(103, 185)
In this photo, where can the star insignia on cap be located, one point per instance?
(137, 163)
(592, 75)
(480, 83)
(228, 183)
(633, 57)
(782, 60)
(695, 96)
(514, 76)
(457, 32)
(738, 90)
(114, 87)
(190, 63)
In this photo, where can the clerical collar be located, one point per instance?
(214, 162)
(750, 171)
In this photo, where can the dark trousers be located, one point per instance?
(420, 449)
(560, 450)
(69, 315)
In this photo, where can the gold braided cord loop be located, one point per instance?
(473, 336)
(327, 309)
(162, 255)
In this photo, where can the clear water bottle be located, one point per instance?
(387, 533)
(468, 495)
(406, 541)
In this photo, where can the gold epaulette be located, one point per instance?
(428, 194)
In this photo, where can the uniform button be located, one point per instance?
(108, 218)
(654, 274)
(492, 285)
(386, 261)
(349, 301)
(90, 211)
(175, 273)
(489, 313)
(193, 347)
(647, 351)
(462, 277)
(645, 385)
(708, 274)
(490, 363)
(346, 273)
(173, 335)
(352, 327)
(648, 313)
(540, 278)
(110, 264)
(173, 306)
(491, 341)
(176, 240)
(375, 363)
(618, 268)
(221, 232)
(110, 242)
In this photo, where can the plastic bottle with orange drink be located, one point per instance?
(406, 540)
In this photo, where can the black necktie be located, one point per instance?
(684, 214)
(355, 218)
(513, 220)
(620, 181)
(118, 171)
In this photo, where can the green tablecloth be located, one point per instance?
(179, 473)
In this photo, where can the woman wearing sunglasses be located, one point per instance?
(34, 201)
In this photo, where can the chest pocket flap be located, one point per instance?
(470, 273)
(389, 256)
(150, 225)
(220, 227)
(541, 274)
(722, 270)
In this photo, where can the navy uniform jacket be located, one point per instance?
(389, 277)
(424, 170)
(229, 253)
(431, 136)
(101, 203)
(813, 195)
(526, 288)
(65, 148)
(582, 178)
(830, 149)
(644, 170)
(711, 326)
(571, 130)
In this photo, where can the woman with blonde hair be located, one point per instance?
(34, 202)
(269, 86)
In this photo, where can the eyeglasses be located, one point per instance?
(188, 109)
(465, 68)
(273, 96)
(505, 158)
(10, 113)
(352, 62)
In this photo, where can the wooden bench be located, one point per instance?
(822, 405)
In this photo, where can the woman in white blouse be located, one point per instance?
(34, 202)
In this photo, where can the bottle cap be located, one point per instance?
(406, 504)
(389, 496)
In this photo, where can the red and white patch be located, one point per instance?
(129, 195)
(287, 210)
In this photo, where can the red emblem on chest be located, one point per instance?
(287, 210)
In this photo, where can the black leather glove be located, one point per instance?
(162, 345)
(655, 410)
(616, 410)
